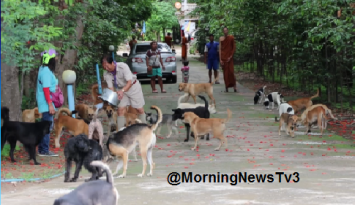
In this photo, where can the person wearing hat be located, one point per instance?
(119, 77)
(46, 83)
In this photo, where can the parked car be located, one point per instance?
(137, 64)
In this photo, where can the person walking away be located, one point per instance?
(184, 49)
(46, 84)
(132, 42)
(185, 72)
(212, 58)
(227, 48)
(168, 39)
(154, 61)
(119, 77)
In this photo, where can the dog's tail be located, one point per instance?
(329, 112)
(160, 117)
(181, 97)
(229, 115)
(65, 110)
(316, 95)
(264, 88)
(106, 168)
(94, 91)
(204, 99)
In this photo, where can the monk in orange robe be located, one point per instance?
(184, 48)
(168, 39)
(227, 48)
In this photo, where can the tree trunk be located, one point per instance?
(10, 90)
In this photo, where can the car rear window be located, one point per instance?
(144, 48)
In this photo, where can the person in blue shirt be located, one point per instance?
(212, 58)
(46, 84)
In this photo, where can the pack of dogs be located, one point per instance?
(89, 147)
(318, 114)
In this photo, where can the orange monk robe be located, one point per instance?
(227, 49)
(168, 40)
(184, 48)
(132, 43)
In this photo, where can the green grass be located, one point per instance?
(6, 150)
(325, 137)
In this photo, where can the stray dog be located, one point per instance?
(93, 192)
(85, 112)
(121, 143)
(74, 126)
(201, 126)
(30, 134)
(82, 151)
(30, 115)
(201, 112)
(95, 91)
(274, 98)
(285, 108)
(211, 108)
(259, 95)
(96, 131)
(167, 120)
(131, 117)
(290, 121)
(195, 89)
(303, 103)
(316, 114)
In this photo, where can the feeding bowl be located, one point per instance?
(110, 97)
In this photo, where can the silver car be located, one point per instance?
(137, 64)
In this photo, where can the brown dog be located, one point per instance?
(290, 121)
(316, 114)
(195, 89)
(74, 126)
(85, 112)
(131, 117)
(203, 126)
(95, 93)
(30, 115)
(302, 103)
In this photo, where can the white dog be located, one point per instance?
(211, 108)
(285, 108)
(274, 98)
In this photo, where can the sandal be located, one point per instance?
(163, 91)
(155, 91)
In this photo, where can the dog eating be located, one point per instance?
(93, 192)
(316, 114)
(290, 120)
(202, 126)
(82, 151)
(121, 143)
(274, 98)
(259, 95)
(30, 134)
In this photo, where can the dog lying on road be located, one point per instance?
(201, 126)
(93, 192)
(30, 115)
(201, 112)
(121, 143)
(28, 133)
(259, 95)
(82, 151)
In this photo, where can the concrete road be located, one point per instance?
(325, 166)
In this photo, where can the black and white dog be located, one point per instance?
(274, 98)
(259, 95)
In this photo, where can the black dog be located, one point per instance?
(29, 134)
(82, 151)
(259, 95)
(202, 112)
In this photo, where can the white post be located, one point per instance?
(185, 5)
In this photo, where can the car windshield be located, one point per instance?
(144, 48)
